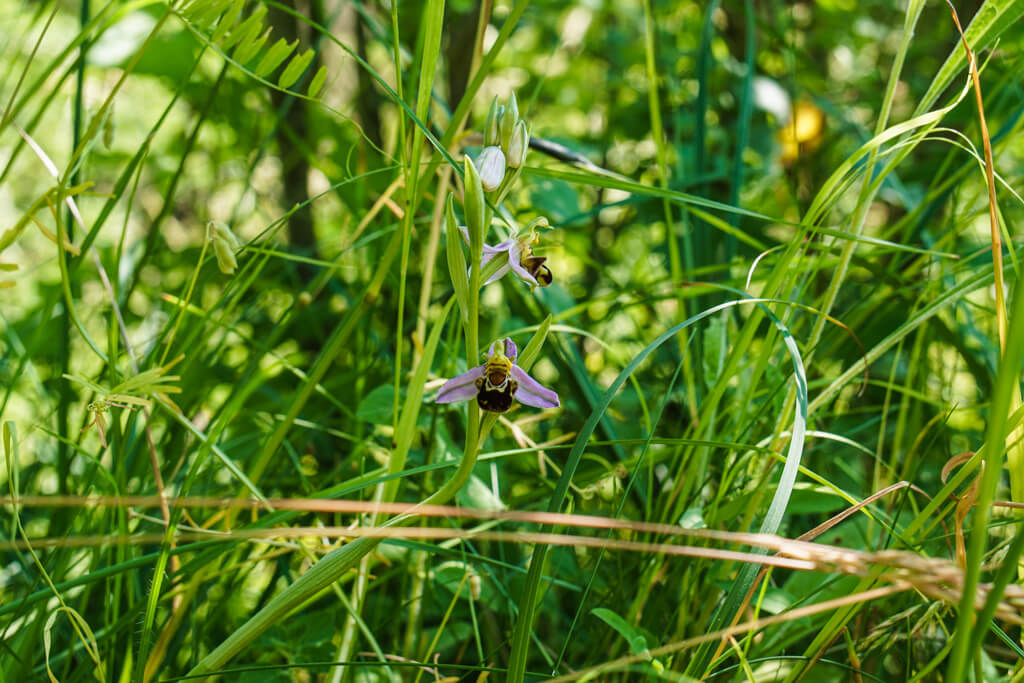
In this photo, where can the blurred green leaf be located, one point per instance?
(377, 407)
(555, 199)
(636, 640)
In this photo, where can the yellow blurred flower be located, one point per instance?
(802, 133)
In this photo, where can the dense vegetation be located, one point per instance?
(757, 268)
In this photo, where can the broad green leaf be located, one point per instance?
(636, 640)
(478, 495)
(450, 575)
(377, 406)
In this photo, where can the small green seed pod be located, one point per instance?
(224, 245)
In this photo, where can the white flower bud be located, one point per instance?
(518, 145)
(491, 167)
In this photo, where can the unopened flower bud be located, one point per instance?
(491, 166)
(491, 135)
(226, 260)
(518, 145)
(509, 119)
(224, 245)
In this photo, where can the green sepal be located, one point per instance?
(491, 136)
(456, 259)
(509, 119)
(474, 206)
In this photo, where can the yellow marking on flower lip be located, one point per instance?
(497, 365)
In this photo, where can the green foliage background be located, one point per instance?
(868, 244)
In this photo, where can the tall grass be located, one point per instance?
(785, 334)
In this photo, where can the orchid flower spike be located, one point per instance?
(497, 382)
(527, 267)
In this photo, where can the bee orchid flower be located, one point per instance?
(521, 260)
(497, 382)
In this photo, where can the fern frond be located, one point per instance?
(245, 40)
(281, 50)
(295, 68)
(247, 30)
(249, 49)
(228, 21)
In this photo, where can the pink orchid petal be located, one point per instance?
(488, 249)
(461, 388)
(510, 349)
(514, 256)
(489, 253)
(530, 391)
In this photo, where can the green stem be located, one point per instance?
(995, 447)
